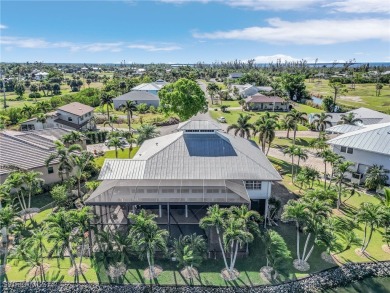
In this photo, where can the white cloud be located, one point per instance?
(153, 48)
(313, 32)
(360, 6)
(2, 26)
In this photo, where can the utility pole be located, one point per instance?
(5, 101)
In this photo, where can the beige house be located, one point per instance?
(261, 102)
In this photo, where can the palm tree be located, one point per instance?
(72, 138)
(242, 127)
(265, 127)
(341, 169)
(64, 156)
(296, 117)
(106, 100)
(32, 258)
(215, 218)
(301, 154)
(290, 151)
(145, 132)
(287, 124)
(27, 110)
(43, 107)
(371, 216)
(269, 115)
(80, 161)
(326, 156)
(129, 107)
(32, 183)
(82, 219)
(212, 89)
(376, 177)
(116, 143)
(42, 118)
(131, 141)
(14, 183)
(321, 121)
(147, 237)
(338, 89)
(35, 248)
(350, 119)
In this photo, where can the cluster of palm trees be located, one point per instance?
(266, 125)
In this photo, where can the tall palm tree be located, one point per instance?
(42, 118)
(129, 107)
(106, 99)
(215, 218)
(296, 117)
(212, 89)
(349, 118)
(147, 237)
(370, 215)
(131, 141)
(116, 143)
(265, 127)
(32, 182)
(243, 127)
(321, 121)
(269, 115)
(14, 183)
(27, 111)
(340, 170)
(376, 177)
(63, 155)
(43, 107)
(287, 124)
(80, 161)
(326, 156)
(301, 154)
(290, 151)
(37, 243)
(145, 132)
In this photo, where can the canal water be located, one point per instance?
(370, 285)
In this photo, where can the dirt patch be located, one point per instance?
(351, 98)
(189, 273)
(328, 258)
(157, 271)
(4, 270)
(229, 277)
(386, 248)
(301, 266)
(80, 269)
(36, 271)
(117, 270)
(266, 273)
(363, 254)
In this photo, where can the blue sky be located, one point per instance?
(184, 31)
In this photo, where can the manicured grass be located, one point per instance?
(299, 141)
(111, 155)
(233, 104)
(362, 96)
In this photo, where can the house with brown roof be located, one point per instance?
(261, 102)
(73, 116)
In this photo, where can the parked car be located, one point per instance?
(221, 119)
(123, 141)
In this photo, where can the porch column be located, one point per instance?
(159, 211)
(266, 213)
(186, 210)
(169, 219)
(133, 209)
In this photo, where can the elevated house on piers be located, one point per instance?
(179, 175)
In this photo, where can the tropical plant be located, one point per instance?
(41, 117)
(129, 107)
(287, 124)
(242, 127)
(106, 99)
(350, 119)
(338, 89)
(80, 161)
(326, 156)
(265, 127)
(145, 132)
(296, 117)
(31, 184)
(116, 143)
(291, 151)
(147, 237)
(27, 110)
(212, 88)
(321, 122)
(341, 169)
(43, 107)
(376, 177)
(72, 138)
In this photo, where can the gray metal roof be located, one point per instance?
(198, 125)
(368, 116)
(172, 191)
(194, 156)
(137, 95)
(343, 128)
(372, 138)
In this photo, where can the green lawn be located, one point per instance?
(302, 142)
(362, 96)
(233, 104)
(111, 155)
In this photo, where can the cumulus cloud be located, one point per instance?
(308, 32)
(360, 6)
(2, 26)
(153, 48)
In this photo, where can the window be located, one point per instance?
(347, 150)
(197, 190)
(50, 170)
(213, 190)
(343, 149)
(350, 150)
(70, 119)
(168, 190)
(253, 184)
(185, 190)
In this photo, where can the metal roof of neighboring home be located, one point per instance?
(26, 151)
(76, 108)
(198, 125)
(343, 128)
(194, 156)
(259, 98)
(372, 138)
(137, 95)
(152, 86)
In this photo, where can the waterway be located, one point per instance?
(370, 285)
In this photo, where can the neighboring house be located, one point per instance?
(235, 75)
(138, 97)
(365, 147)
(342, 128)
(41, 75)
(261, 102)
(73, 116)
(245, 90)
(179, 175)
(28, 151)
(152, 87)
(367, 116)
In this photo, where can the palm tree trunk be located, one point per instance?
(309, 253)
(369, 238)
(82, 250)
(29, 197)
(222, 250)
(298, 238)
(295, 132)
(128, 120)
(235, 257)
(364, 238)
(231, 255)
(288, 133)
(79, 187)
(306, 243)
(292, 168)
(116, 152)
(339, 196)
(325, 177)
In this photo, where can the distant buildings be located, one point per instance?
(235, 75)
(365, 147)
(73, 116)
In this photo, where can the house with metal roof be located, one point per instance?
(177, 176)
(73, 116)
(138, 97)
(28, 151)
(260, 102)
(365, 147)
(152, 87)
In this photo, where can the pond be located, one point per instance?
(370, 285)
(316, 101)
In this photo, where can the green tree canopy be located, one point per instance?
(184, 98)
